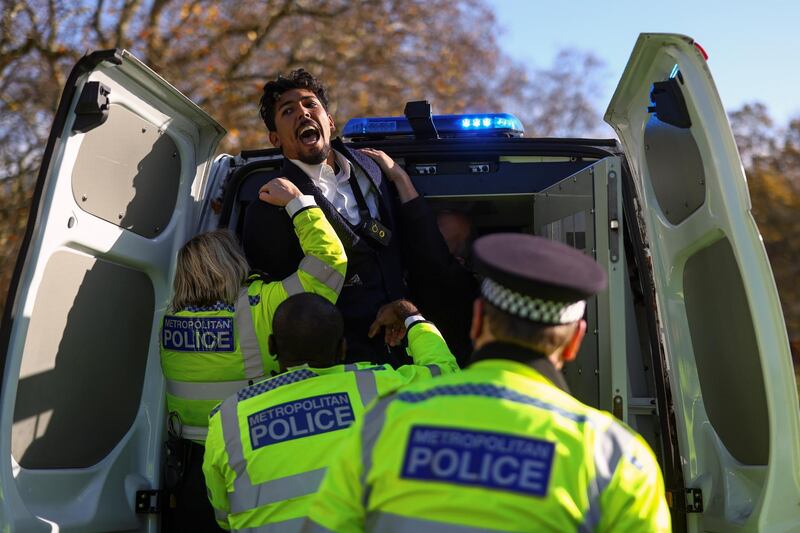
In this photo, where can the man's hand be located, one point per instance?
(394, 173)
(278, 191)
(392, 318)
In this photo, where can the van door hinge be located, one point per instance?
(689, 500)
(149, 501)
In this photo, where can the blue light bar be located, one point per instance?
(479, 124)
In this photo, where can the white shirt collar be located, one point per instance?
(323, 171)
(336, 187)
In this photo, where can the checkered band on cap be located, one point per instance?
(533, 309)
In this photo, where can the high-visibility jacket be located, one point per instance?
(268, 446)
(496, 447)
(209, 353)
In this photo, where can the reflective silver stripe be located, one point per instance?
(374, 420)
(367, 385)
(322, 272)
(190, 390)
(435, 370)
(194, 432)
(220, 515)
(248, 341)
(292, 285)
(393, 523)
(312, 527)
(233, 443)
(294, 525)
(245, 495)
(609, 448)
(350, 367)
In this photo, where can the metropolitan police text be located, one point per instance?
(198, 334)
(300, 418)
(479, 458)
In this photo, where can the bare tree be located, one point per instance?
(561, 101)
(754, 131)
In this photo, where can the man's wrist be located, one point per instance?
(405, 189)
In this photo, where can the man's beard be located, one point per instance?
(318, 157)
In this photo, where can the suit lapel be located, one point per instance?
(297, 176)
(370, 169)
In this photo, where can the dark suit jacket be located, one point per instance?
(441, 286)
(374, 272)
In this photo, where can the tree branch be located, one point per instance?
(128, 8)
(154, 50)
(102, 40)
(261, 34)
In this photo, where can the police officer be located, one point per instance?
(501, 446)
(269, 445)
(214, 338)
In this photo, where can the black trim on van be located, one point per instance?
(553, 147)
(232, 183)
(671, 457)
(85, 65)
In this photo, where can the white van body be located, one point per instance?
(689, 345)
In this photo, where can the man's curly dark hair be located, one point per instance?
(297, 79)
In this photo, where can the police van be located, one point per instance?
(687, 345)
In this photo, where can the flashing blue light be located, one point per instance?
(446, 125)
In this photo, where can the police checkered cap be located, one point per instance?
(533, 309)
(535, 278)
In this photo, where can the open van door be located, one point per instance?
(121, 188)
(722, 338)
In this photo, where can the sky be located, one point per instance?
(753, 46)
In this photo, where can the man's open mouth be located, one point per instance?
(308, 134)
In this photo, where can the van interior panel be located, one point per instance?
(83, 363)
(726, 352)
(676, 169)
(132, 184)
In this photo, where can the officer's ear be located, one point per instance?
(476, 328)
(272, 344)
(341, 352)
(570, 351)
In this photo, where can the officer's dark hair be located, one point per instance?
(297, 79)
(544, 338)
(307, 328)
